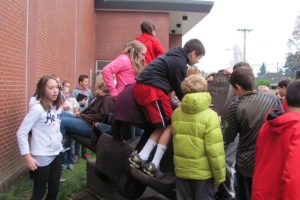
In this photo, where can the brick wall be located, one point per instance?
(175, 40)
(113, 30)
(37, 37)
(12, 83)
(51, 40)
(85, 62)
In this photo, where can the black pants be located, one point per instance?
(244, 185)
(50, 175)
(187, 189)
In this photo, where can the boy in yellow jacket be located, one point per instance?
(199, 157)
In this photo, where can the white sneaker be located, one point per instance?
(71, 166)
(64, 166)
(62, 180)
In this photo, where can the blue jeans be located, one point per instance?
(68, 156)
(136, 131)
(75, 126)
(71, 124)
(105, 128)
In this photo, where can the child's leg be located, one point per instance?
(151, 143)
(183, 189)
(204, 189)
(162, 146)
(158, 112)
(77, 148)
(138, 160)
(152, 168)
(40, 179)
(71, 154)
(54, 177)
(65, 153)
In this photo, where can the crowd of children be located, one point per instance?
(260, 123)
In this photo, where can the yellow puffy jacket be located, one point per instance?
(198, 140)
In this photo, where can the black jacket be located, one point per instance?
(98, 109)
(166, 72)
(246, 116)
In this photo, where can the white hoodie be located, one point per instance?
(46, 139)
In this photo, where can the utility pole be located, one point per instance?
(245, 31)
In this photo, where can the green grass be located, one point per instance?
(76, 180)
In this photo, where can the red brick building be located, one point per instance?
(69, 38)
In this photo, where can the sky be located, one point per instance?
(271, 22)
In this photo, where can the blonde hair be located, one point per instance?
(263, 89)
(100, 84)
(133, 49)
(192, 70)
(194, 83)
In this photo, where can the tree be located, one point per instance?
(292, 63)
(294, 41)
(262, 70)
(281, 71)
(263, 82)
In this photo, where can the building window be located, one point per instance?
(100, 64)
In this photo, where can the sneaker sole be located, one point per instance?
(62, 180)
(133, 164)
(152, 175)
(148, 173)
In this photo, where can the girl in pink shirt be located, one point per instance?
(125, 67)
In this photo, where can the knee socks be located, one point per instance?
(160, 151)
(149, 146)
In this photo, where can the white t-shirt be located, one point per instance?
(72, 102)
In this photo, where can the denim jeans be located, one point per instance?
(68, 156)
(136, 131)
(105, 128)
(75, 126)
(71, 124)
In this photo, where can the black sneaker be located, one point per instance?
(151, 170)
(136, 161)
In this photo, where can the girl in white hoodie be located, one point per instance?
(42, 156)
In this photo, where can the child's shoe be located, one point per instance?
(64, 166)
(71, 166)
(136, 161)
(61, 180)
(86, 156)
(151, 170)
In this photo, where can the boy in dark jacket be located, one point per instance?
(152, 92)
(245, 117)
(277, 152)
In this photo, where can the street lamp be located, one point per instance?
(244, 30)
